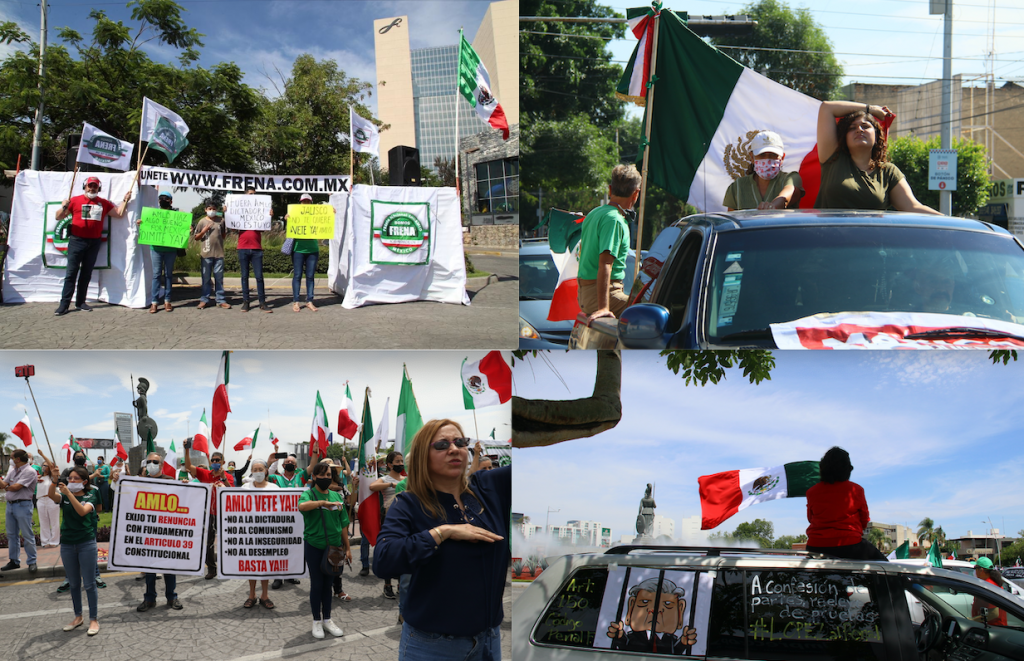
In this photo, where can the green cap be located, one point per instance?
(984, 563)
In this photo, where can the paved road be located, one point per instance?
(212, 625)
(491, 322)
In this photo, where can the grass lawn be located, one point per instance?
(104, 519)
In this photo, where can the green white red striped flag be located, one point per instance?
(475, 85)
(633, 86)
(725, 494)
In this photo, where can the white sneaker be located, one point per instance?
(318, 629)
(333, 628)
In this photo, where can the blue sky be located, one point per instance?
(78, 392)
(261, 35)
(930, 435)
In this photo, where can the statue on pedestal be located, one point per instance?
(146, 426)
(645, 518)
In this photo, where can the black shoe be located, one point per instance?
(100, 583)
(63, 587)
(293, 581)
(140, 577)
(175, 604)
(211, 573)
(266, 308)
(365, 571)
(11, 564)
(277, 584)
(389, 592)
(145, 606)
(60, 312)
(32, 567)
(84, 307)
(245, 306)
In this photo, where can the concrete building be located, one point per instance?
(417, 89)
(985, 545)
(690, 533)
(663, 525)
(489, 172)
(897, 534)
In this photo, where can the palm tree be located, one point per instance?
(940, 538)
(879, 539)
(926, 531)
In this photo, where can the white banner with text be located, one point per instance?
(260, 534)
(231, 181)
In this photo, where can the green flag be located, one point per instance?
(903, 550)
(168, 139)
(150, 445)
(409, 419)
(934, 556)
(493, 429)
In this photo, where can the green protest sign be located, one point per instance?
(163, 227)
(310, 221)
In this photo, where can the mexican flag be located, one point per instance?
(121, 452)
(640, 21)
(273, 439)
(725, 494)
(934, 556)
(347, 425)
(319, 432)
(170, 467)
(248, 441)
(901, 552)
(150, 445)
(369, 501)
(23, 430)
(163, 129)
(707, 107)
(72, 447)
(409, 419)
(201, 441)
(565, 304)
(221, 405)
(475, 85)
(486, 382)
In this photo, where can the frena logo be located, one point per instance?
(402, 233)
(104, 148)
(361, 135)
(763, 485)
(166, 137)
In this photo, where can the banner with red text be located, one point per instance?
(259, 533)
(159, 525)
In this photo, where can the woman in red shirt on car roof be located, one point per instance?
(838, 511)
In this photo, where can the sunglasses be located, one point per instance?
(444, 444)
(154, 461)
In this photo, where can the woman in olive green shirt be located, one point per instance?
(78, 501)
(304, 257)
(855, 168)
(322, 507)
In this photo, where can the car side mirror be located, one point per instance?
(642, 326)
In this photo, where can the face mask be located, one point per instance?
(768, 168)
(79, 461)
(323, 482)
(398, 468)
(75, 487)
(91, 195)
(288, 468)
(215, 466)
(154, 469)
(258, 477)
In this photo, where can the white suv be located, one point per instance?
(709, 603)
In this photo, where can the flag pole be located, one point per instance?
(138, 172)
(43, 424)
(647, 149)
(351, 151)
(458, 79)
(73, 175)
(475, 428)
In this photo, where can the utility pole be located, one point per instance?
(945, 196)
(37, 140)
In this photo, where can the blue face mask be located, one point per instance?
(215, 466)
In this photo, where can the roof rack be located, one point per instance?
(709, 551)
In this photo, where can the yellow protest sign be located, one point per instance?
(163, 227)
(310, 221)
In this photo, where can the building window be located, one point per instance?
(497, 186)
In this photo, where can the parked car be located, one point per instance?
(750, 279)
(968, 568)
(716, 603)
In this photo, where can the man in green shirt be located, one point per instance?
(604, 244)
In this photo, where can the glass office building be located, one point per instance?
(434, 83)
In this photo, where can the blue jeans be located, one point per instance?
(19, 521)
(80, 565)
(82, 254)
(417, 645)
(302, 260)
(163, 270)
(319, 583)
(252, 256)
(403, 590)
(170, 582)
(212, 266)
(364, 551)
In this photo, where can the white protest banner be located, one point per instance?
(260, 534)
(247, 212)
(276, 183)
(159, 525)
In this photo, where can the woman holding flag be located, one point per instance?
(78, 501)
(448, 524)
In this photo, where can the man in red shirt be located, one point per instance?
(983, 569)
(87, 213)
(250, 251)
(218, 477)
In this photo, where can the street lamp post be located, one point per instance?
(547, 529)
(995, 543)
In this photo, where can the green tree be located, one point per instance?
(787, 541)
(910, 155)
(814, 70)
(878, 538)
(926, 531)
(760, 531)
(103, 80)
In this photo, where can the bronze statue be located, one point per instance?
(645, 518)
(146, 425)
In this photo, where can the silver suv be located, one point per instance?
(709, 603)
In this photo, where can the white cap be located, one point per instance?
(307, 196)
(767, 141)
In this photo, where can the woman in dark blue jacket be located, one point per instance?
(448, 530)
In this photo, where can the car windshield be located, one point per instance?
(775, 275)
(537, 277)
